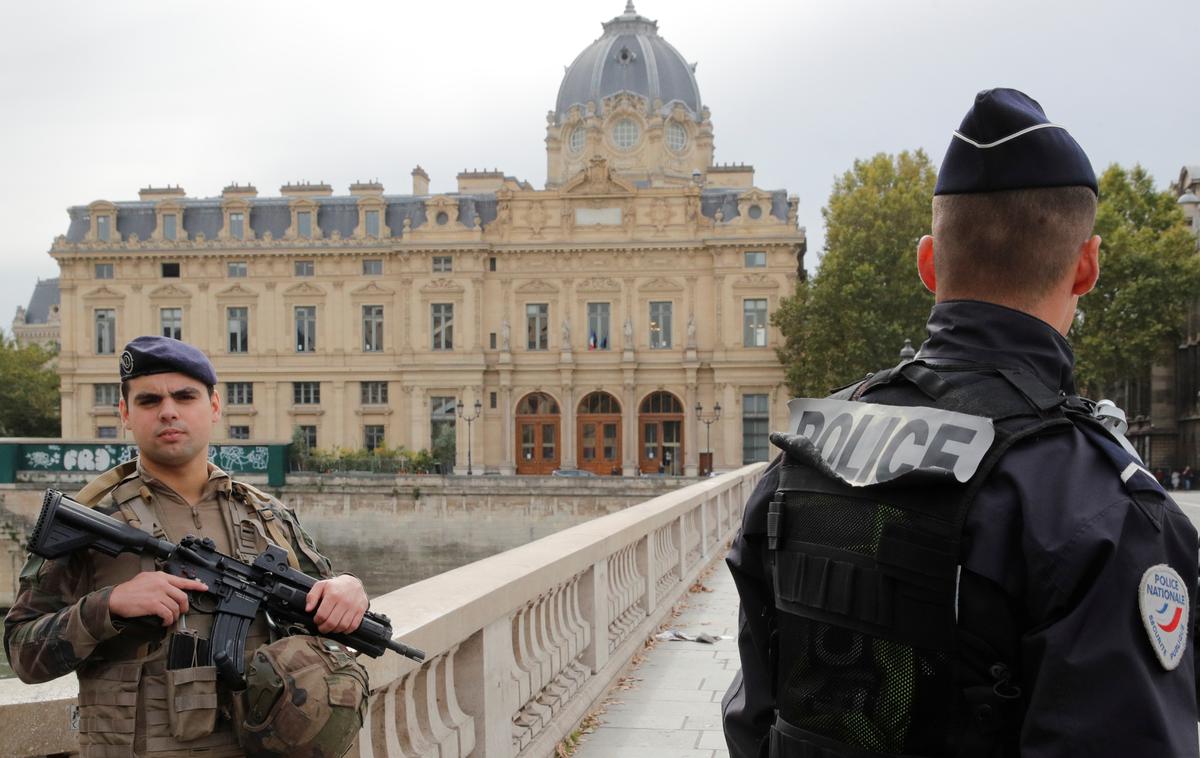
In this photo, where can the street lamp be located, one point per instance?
(708, 422)
(469, 420)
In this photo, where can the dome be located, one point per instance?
(630, 57)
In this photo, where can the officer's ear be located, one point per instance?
(1087, 267)
(925, 263)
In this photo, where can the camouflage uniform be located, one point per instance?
(60, 621)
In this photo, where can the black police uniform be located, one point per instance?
(1052, 553)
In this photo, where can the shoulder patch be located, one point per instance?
(868, 443)
(1163, 604)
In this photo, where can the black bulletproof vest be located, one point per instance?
(866, 581)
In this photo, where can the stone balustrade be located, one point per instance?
(520, 645)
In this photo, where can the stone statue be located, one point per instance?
(505, 336)
(691, 331)
(628, 334)
(566, 333)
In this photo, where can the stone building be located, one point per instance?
(589, 321)
(38, 324)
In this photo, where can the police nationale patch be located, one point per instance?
(127, 361)
(1163, 603)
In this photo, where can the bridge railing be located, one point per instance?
(520, 645)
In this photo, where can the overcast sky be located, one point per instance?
(100, 99)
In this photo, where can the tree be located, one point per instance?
(29, 397)
(1149, 275)
(865, 299)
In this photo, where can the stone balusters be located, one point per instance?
(626, 589)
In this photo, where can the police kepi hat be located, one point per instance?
(1006, 142)
(163, 355)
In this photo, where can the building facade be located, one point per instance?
(38, 324)
(593, 322)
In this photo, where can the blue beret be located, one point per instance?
(1006, 142)
(163, 355)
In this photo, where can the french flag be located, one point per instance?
(592, 341)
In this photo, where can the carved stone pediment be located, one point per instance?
(598, 179)
(101, 293)
(169, 291)
(304, 289)
(537, 285)
(598, 284)
(660, 284)
(236, 291)
(755, 282)
(442, 285)
(371, 289)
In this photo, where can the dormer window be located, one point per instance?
(372, 219)
(625, 134)
(676, 136)
(103, 227)
(237, 225)
(169, 226)
(304, 224)
(577, 139)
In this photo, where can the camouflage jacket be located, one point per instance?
(60, 618)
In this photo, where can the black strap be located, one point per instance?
(788, 741)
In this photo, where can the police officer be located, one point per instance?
(959, 556)
(86, 613)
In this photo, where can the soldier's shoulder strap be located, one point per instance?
(94, 491)
(260, 502)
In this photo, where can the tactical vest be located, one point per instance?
(864, 546)
(116, 695)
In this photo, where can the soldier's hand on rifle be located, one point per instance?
(340, 603)
(153, 593)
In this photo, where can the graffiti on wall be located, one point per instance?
(95, 458)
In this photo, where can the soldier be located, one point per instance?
(113, 620)
(959, 556)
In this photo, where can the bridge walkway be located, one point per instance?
(669, 704)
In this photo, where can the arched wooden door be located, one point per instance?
(660, 434)
(599, 434)
(538, 434)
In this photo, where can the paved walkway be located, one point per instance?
(672, 707)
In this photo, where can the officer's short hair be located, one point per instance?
(1014, 244)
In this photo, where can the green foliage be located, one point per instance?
(381, 460)
(29, 398)
(1149, 275)
(444, 447)
(853, 316)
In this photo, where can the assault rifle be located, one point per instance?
(237, 591)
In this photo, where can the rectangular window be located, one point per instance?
(306, 328)
(104, 271)
(756, 417)
(492, 263)
(237, 270)
(169, 232)
(306, 393)
(239, 393)
(106, 331)
(106, 432)
(308, 436)
(492, 397)
(754, 322)
(238, 320)
(170, 270)
(237, 225)
(372, 224)
(756, 260)
(374, 393)
(106, 394)
(103, 227)
(171, 320)
(304, 224)
(239, 432)
(443, 326)
(443, 264)
(598, 318)
(537, 326)
(372, 267)
(492, 340)
(660, 324)
(372, 325)
(305, 268)
(372, 436)
(441, 429)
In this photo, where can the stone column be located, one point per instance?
(691, 452)
(567, 393)
(629, 455)
(418, 419)
(728, 428)
(338, 426)
(275, 416)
